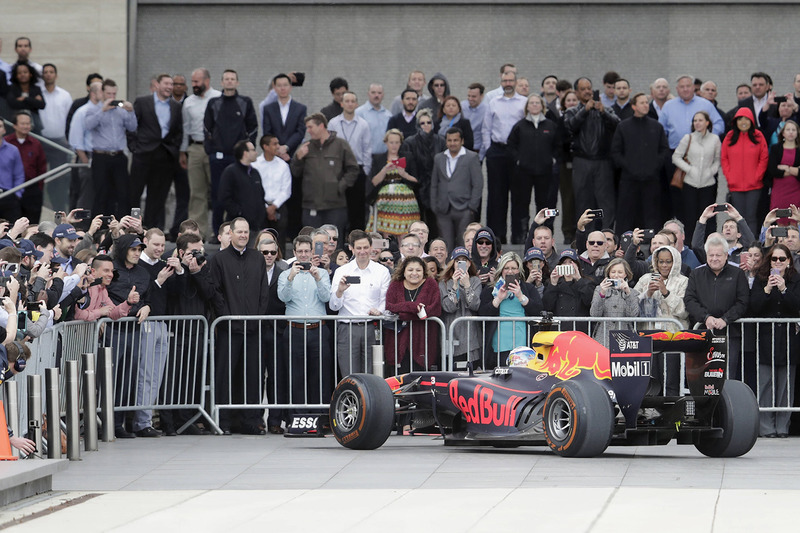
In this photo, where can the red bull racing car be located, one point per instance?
(568, 392)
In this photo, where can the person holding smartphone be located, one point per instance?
(567, 292)
(460, 290)
(776, 294)
(613, 297)
(507, 296)
(538, 271)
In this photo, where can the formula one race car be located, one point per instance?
(568, 391)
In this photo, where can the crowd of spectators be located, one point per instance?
(638, 173)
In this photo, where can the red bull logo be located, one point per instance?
(571, 353)
(481, 409)
(395, 382)
(690, 336)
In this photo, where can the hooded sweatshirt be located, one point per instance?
(432, 103)
(492, 262)
(744, 163)
(671, 305)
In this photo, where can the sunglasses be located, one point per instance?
(484, 243)
(425, 123)
(438, 84)
(386, 259)
(779, 259)
(269, 252)
(595, 243)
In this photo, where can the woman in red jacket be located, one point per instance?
(413, 296)
(744, 161)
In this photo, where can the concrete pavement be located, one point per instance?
(259, 483)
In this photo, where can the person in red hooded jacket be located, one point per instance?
(744, 160)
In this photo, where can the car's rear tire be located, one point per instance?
(578, 419)
(737, 415)
(362, 412)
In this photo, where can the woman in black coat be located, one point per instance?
(569, 294)
(776, 294)
(25, 94)
(534, 144)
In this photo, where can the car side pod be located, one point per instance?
(362, 411)
(578, 419)
(737, 414)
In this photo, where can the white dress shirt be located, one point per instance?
(194, 111)
(54, 114)
(359, 298)
(276, 178)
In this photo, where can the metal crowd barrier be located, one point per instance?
(160, 364)
(294, 362)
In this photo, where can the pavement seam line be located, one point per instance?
(603, 510)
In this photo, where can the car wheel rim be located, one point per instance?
(347, 409)
(560, 419)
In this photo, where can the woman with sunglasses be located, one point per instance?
(391, 187)
(386, 258)
(507, 296)
(423, 147)
(460, 289)
(776, 294)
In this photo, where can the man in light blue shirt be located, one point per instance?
(305, 288)
(474, 109)
(376, 116)
(108, 125)
(677, 114)
(80, 139)
(501, 115)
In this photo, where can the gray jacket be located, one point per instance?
(460, 191)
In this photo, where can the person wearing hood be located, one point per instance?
(450, 116)
(661, 295)
(327, 167)
(439, 88)
(533, 145)
(423, 147)
(744, 160)
(484, 253)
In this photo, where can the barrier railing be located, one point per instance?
(159, 364)
(289, 362)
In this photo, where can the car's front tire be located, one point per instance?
(737, 415)
(578, 419)
(362, 412)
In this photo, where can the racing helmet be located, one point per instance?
(521, 356)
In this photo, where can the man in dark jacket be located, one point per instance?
(639, 148)
(229, 118)
(131, 283)
(240, 188)
(592, 127)
(717, 295)
(242, 288)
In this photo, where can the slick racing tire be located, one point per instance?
(737, 415)
(362, 412)
(578, 419)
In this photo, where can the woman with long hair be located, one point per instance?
(783, 169)
(613, 297)
(413, 296)
(23, 93)
(450, 117)
(744, 158)
(776, 294)
(507, 296)
(460, 290)
(698, 154)
(392, 186)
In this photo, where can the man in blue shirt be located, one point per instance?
(108, 126)
(376, 116)
(306, 288)
(677, 114)
(474, 109)
(12, 174)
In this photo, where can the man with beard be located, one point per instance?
(405, 120)
(423, 147)
(193, 157)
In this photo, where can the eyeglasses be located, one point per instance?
(484, 243)
(595, 243)
(438, 84)
(386, 259)
(269, 252)
(334, 238)
(425, 122)
(779, 259)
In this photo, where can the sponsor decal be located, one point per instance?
(624, 343)
(502, 370)
(481, 409)
(710, 390)
(713, 373)
(689, 336)
(715, 356)
(540, 377)
(304, 422)
(628, 369)
(573, 352)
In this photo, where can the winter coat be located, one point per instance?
(658, 305)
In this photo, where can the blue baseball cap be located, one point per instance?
(533, 253)
(459, 251)
(5, 243)
(27, 248)
(569, 253)
(66, 231)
